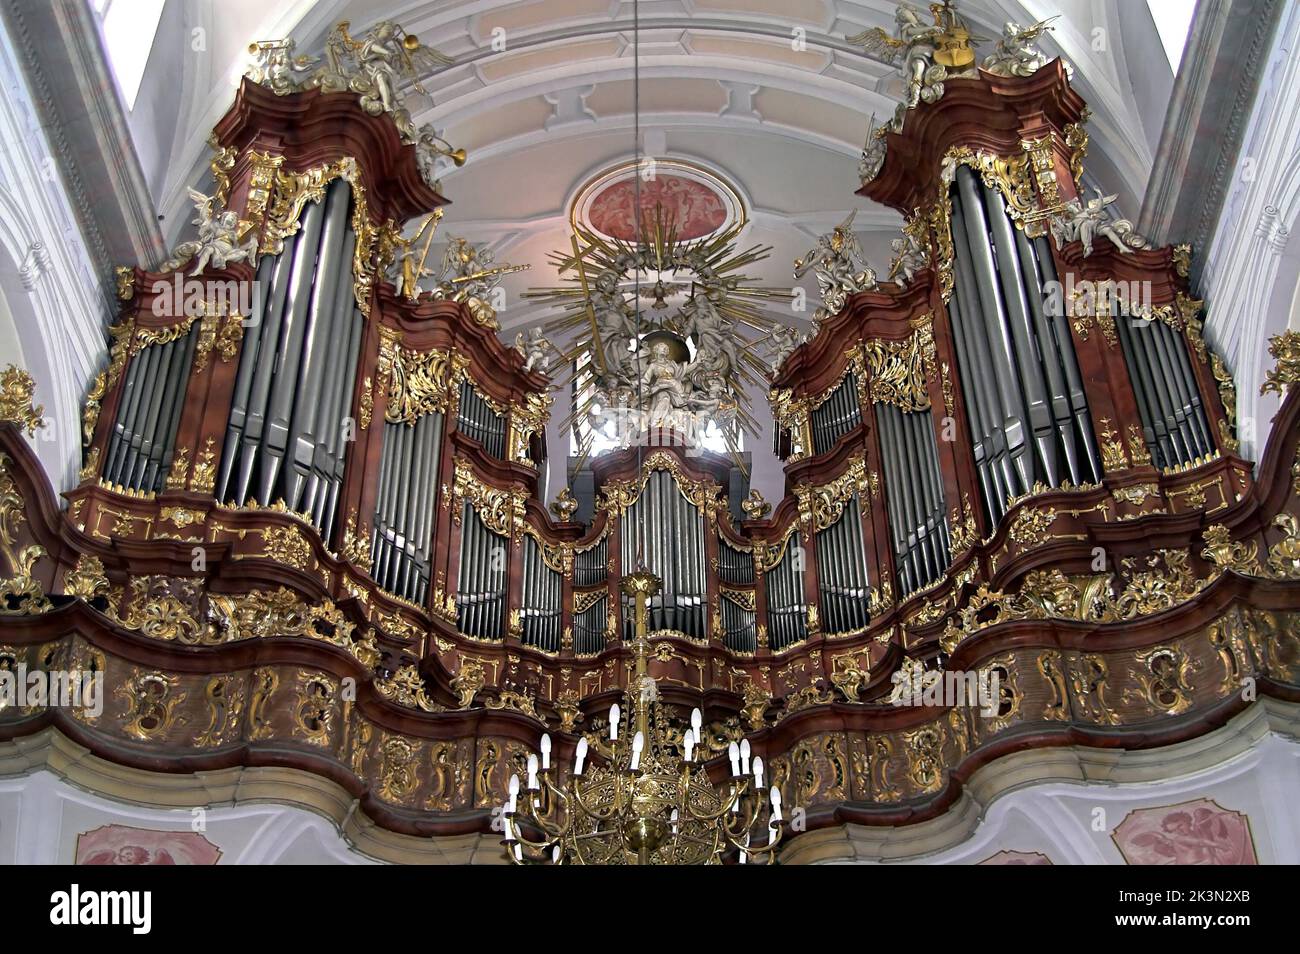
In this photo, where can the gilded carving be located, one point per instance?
(151, 703)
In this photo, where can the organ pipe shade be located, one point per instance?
(405, 506)
(142, 441)
(286, 438)
(481, 589)
(664, 531)
(844, 593)
(1168, 398)
(1024, 396)
(540, 609)
(735, 566)
(918, 524)
(787, 613)
(589, 566)
(738, 630)
(589, 628)
(837, 415)
(478, 420)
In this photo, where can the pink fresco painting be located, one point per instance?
(122, 845)
(1016, 858)
(1200, 832)
(692, 206)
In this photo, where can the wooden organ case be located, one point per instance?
(343, 485)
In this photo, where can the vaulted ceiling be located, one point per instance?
(541, 95)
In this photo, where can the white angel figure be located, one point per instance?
(218, 243)
(838, 264)
(278, 69)
(375, 66)
(785, 339)
(535, 349)
(911, 50)
(1015, 54)
(1084, 222)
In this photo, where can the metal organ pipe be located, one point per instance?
(1064, 347)
(1004, 330)
(143, 435)
(976, 254)
(1168, 396)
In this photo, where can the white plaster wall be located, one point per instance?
(50, 285)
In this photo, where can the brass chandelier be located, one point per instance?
(644, 800)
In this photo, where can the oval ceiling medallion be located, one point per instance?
(700, 202)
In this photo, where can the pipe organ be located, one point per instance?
(143, 440)
(360, 469)
(1019, 372)
(1174, 426)
(663, 532)
(285, 435)
(404, 510)
(836, 415)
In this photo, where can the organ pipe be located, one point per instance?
(143, 436)
(1174, 424)
(297, 371)
(1020, 377)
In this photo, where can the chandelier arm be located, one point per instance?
(568, 813)
(726, 807)
(537, 823)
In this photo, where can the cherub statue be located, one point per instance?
(785, 338)
(838, 264)
(535, 349)
(911, 50)
(873, 152)
(1086, 221)
(278, 69)
(1015, 54)
(909, 256)
(469, 276)
(429, 149)
(218, 243)
(375, 66)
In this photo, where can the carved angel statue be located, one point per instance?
(375, 66)
(278, 69)
(785, 338)
(468, 275)
(1015, 54)
(912, 50)
(909, 256)
(1086, 221)
(218, 243)
(839, 267)
(535, 349)
(434, 155)
(715, 343)
(873, 152)
(616, 326)
(408, 257)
